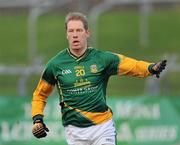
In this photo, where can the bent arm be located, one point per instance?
(40, 95)
(132, 67)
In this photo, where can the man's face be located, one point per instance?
(77, 35)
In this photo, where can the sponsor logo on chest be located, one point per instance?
(66, 71)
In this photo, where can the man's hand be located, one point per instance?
(157, 68)
(39, 128)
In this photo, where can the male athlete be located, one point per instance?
(81, 74)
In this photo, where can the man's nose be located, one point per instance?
(75, 36)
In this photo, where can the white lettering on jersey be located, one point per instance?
(66, 71)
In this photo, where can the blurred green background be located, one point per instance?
(118, 31)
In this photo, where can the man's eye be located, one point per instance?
(79, 30)
(70, 30)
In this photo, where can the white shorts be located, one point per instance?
(102, 134)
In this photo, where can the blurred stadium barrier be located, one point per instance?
(24, 72)
(153, 85)
(139, 121)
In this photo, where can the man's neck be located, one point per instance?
(78, 52)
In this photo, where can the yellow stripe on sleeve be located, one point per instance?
(132, 67)
(40, 95)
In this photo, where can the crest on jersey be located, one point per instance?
(93, 68)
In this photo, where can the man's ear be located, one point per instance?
(88, 33)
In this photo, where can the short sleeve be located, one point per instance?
(48, 74)
(111, 62)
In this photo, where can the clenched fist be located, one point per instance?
(39, 128)
(157, 68)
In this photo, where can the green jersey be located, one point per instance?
(82, 85)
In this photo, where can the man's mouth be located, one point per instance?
(75, 42)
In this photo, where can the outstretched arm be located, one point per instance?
(132, 67)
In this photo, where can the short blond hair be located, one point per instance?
(76, 16)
